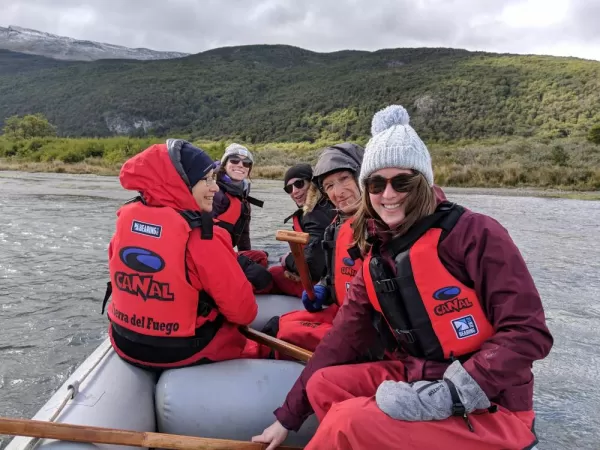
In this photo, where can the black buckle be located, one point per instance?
(192, 217)
(196, 219)
(204, 309)
(385, 286)
(458, 409)
(405, 336)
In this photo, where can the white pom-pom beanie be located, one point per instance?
(394, 143)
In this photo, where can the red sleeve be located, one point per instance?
(351, 336)
(503, 283)
(218, 272)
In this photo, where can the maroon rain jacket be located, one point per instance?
(477, 249)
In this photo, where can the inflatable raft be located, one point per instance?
(226, 400)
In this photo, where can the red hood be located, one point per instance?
(153, 174)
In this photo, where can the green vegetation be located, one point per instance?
(565, 163)
(489, 120)
(30, 126)
(594, 134)
(265, 93)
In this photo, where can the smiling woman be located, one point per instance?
(161, 314)
(232, 212)
(448, 294)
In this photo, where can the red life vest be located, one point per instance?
(234, 218)
(237, 215)
(153, 301)
(296, 225)
(341, 258)
(429, 312)
(296, 220)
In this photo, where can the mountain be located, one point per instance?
(36, 42)
(266, 93)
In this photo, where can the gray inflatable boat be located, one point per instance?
(226, 400)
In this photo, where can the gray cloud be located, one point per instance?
(321, 25)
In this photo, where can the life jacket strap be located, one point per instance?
(196, 219)
(255, 201)
(354, 253)
(107, 295)
(386, 286)
(458, 409)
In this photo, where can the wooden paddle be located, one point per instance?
(98, 435)
(277, 344)
(297, 242)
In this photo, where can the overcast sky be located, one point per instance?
(555, 27)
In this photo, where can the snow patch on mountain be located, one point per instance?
(34, 42)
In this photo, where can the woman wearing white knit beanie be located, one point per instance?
(449, 295)
(396, 152)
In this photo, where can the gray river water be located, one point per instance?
(54, 233)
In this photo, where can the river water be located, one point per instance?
(54, 233)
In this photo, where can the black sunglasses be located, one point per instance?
(400, 183)
(235, 161)
(290, 187)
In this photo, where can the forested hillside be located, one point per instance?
(282, 93)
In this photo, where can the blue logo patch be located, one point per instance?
(141, 260)
(465, 327)
(147, 229)
(446, 293)
(348, 261)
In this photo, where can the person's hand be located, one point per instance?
(320, 297)
(274, 435)
(431, 400)
(291, 276)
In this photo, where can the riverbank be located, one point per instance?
(91, 169)
(560, 166)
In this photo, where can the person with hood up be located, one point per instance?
(449, 293)
(336, 176)
(313, 215)
(232, 212)
(178, 292)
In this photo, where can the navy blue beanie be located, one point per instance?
(195, 162)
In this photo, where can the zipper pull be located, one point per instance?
(468, 422)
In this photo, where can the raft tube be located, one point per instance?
(227, 400)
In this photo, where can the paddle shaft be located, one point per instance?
(98, 435)
(277, 344)
(297, 241)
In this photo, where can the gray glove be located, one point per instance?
(430, 400)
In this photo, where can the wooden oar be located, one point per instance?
(277, 344)
(297, 242)
(98, 435)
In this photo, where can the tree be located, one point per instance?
(594, 134)
(29, 126)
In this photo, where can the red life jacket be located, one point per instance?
(341, 258)
(296, 220)
(234, 218)
(153, 301)
(237, 215)
(296, 225)
(429, 312)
